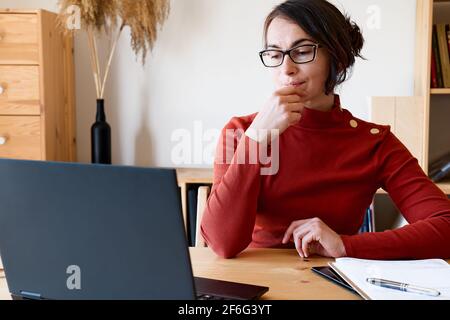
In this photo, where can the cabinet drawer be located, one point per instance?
(20, 137)
(19, 90)
(19, 39)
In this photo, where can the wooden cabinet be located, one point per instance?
(19, 37)
(37, 104)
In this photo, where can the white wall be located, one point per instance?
(205, 68)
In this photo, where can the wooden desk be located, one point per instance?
(283, 271)
(287, 276)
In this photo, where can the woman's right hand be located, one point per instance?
(281, 111)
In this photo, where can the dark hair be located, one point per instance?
(334, 31)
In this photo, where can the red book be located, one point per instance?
(447, 30)
(434, 82)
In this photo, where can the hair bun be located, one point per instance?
(357, 39)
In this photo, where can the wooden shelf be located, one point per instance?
(444, 186)
(440, 91)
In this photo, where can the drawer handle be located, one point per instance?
(2, 141)
(2, 90)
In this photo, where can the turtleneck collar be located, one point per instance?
(315, 119)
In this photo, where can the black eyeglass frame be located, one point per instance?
(316, 46)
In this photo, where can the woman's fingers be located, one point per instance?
(298, 236)
(298, 246)
(301, 231)
(298, 230)
(286, 91)
(313, 236)
(308, 239)
(290, 99)
(305, 235)
(279, 112)
(290, 230)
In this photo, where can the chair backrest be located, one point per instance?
(203, 193)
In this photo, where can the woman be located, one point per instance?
(330, 163)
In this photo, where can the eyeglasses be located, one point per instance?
(306, 53)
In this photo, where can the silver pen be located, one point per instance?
(403, 287)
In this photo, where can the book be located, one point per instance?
(435, 48)
(448, 39)
(443, 53)
(434, 82)
(429, 273)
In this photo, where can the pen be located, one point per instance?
(403, 287)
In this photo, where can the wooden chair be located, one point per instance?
(203, 193)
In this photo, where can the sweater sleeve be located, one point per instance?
(422, 203)
(229, 217)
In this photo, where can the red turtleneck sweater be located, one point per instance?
(330, 166)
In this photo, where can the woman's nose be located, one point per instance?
(289, 67)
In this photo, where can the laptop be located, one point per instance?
(81, 231)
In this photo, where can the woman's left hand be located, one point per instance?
(313, 236)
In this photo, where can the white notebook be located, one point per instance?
(431, 273)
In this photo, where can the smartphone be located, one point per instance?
(329, 274)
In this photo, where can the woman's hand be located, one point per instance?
(313, 236)
(281, 111)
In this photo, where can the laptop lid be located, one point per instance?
(77, 231)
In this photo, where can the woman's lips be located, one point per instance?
(296, 84)
(301, 88)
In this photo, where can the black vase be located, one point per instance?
(101, 136)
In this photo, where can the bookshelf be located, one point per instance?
(436, 100)
(421, 121)
(427, 113)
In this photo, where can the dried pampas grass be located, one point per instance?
(143, 17)
(96, 14)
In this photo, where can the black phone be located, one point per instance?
(331, 275)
